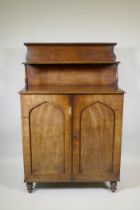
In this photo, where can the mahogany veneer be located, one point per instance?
(71, 113)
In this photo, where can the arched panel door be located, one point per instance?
(49, 141)
(94, 137)
(47, 127)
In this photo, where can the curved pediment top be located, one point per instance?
(95, 103)
(47, 139)
(97, 127)
(45, 102)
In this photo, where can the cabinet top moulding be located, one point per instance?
(72, 43)
(70, 52)
(72, 90)
(67, 62)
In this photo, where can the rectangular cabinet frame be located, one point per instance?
(72, 111)
(71, 107)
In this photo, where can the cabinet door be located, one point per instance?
(46, 137)
(97, 122)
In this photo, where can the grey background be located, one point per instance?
(67, 21)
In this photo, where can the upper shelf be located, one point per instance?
(83, 65)
(72, 53)
(72, 43)
(76, 62)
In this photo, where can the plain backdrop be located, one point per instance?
(68, 21)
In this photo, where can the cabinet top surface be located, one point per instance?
(73, 43)
(72, 90)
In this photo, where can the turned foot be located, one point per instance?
(29, 187)
(113, 186)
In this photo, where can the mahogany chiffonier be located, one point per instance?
(71, 113)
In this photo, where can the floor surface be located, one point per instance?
(98, 196)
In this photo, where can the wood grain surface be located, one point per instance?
(71, 113)
(60, 75)
(97, 121)
(46, 125)
(97, 137)
(47, 139)
(72, 53)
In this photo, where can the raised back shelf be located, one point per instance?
(71, 64)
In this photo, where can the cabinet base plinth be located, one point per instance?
(29, 185)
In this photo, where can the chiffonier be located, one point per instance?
(71, 110)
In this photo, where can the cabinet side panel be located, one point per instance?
(97, 136)
(47, 139)
(25, 140)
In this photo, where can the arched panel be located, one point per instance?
(47, 139)
(97, 137)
